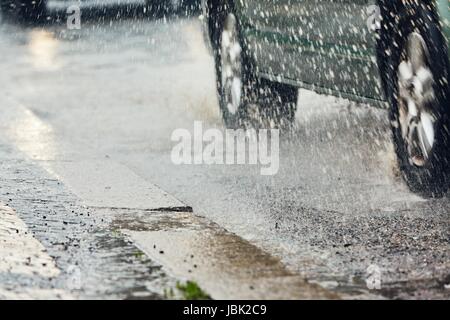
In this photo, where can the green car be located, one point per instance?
(389, 52)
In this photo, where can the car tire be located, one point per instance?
(277, 103)
(238, 86)
(416, 80)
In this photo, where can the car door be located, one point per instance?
(271, 28)
(326, 45)
(347, 44)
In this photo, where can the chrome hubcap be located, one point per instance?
(416, 98)
(231, 64)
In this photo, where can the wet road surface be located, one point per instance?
(116, 90)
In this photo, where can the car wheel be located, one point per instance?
(419, 101)
(277, 104)
(239, 88)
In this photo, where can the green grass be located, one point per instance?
(169, 294)
(139, 255)
(116, 233)
(192, 291)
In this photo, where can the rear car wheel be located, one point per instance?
(239, 88)
(419, 97)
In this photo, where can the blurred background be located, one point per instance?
(58, 11)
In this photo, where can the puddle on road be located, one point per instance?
(224, 265)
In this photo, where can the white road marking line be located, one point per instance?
(99, 182)
(35, 294)
(107, 184)
(20, 252)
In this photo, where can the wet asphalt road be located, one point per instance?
(119, 88)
